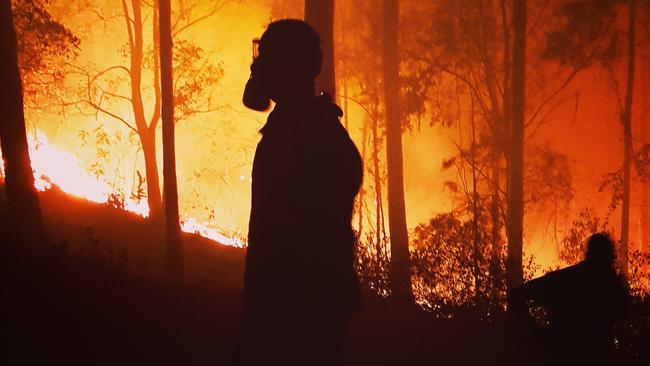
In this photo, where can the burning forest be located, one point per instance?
(155, 158)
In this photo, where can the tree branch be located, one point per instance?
(111, 114)
(552, 95)
(155, 117)
(111, 94)
(128, 20)
(191, 23)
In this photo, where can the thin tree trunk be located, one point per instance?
(148, 141)
(514, 270)
(155, 115)
(320, 15)
(645, 201)
(24, 209)
(378, 191)
(495, 217)
(147, 133)
(627, 142)
(645, 186)
(475, 210)
(400, 266)
(499, 9)
(174, 268)
(346, 117)
(361, 198)
(507, 69)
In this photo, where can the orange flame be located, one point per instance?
(54, 166)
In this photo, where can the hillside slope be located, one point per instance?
(92, 295)
(101, 231)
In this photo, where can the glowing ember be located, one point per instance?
(192, 226)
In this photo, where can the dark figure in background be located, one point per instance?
(583, 302)
(300, 287)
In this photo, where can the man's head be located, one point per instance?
(600, 250)
(289, 60)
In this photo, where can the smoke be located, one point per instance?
(215, 147)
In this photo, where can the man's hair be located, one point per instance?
(600, 249)
(293, 42)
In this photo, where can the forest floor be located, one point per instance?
(93, 295)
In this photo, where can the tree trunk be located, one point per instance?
(495, 217)
(514, 270)
(24, 209)
(346, 117)
(148, 141)
(645, 186)
(379, 212)
(174, 263)
(320, 15)
(360, 196)
(502, 124)
(400, 266)
(627, 143)
(147, 133)
(476, 240)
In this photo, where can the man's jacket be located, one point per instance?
(306, 174)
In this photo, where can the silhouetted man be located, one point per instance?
(299, 286)
(583, 302)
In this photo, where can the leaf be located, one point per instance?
(452, 186)
(448, 163)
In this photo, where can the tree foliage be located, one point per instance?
(573, 245)
(134, 86)
(584, 32)
(44, 46)
(450, 268)
(452, 265)
(548, 178)
(195, 76)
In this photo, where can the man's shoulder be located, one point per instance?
(566, 273)
(325, 125)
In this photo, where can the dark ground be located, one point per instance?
(95, 299)
(74, 313)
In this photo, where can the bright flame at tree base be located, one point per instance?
(54, 166)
